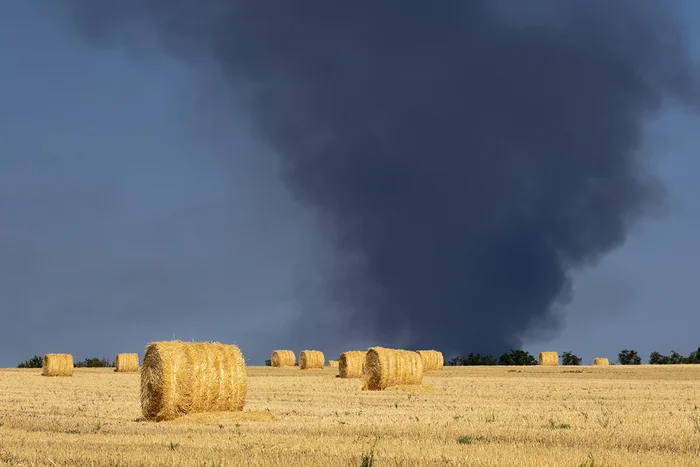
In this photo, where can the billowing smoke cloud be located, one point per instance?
(469, 154)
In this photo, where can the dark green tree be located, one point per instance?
(34, 362)
(568, 358)
(93, 363)
(694, 356)
(268, 362)
(454, 361)
(676, 358)
(473, 359)
(517, 357)
(629, 357)
(655, 358)
(482, 360)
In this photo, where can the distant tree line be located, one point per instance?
(512, 358)
(521, 358)
(630, 357)
(38, 362)
(94, 363)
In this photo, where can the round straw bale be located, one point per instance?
(178, 378)
(389, 367)
(549, 359)
(309, 359)
(282, 358)
(333, 363)
(58, 364)
(351, 364)
(126, 362)
(432, 360)
(601, 362)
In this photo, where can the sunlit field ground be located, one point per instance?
(474, 416)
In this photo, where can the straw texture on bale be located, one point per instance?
(58, 364)
(178, 378)
(549, 359)
(126, 362)
(601, 362)
(311, 359)
(333, 363)
(282, 358)
(351, 364)
(389, 367)
(432, 360)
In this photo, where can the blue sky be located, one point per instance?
(100, 162)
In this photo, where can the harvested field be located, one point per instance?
(476, 416)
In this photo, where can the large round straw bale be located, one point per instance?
(178, 378)
(282, 358)
(126, 362)
(432, 360)
(58, 364)
(351, 364)
(549, 359)
(389, 367)
(601, 362)
(333, 363)
(311, 359)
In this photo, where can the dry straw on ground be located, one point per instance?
(333, 363)
(309, 359)
(282, 358)
(221, 418)
(432, 360)
(411, 388)
(58, 364)
(601, 362)
(390, 367)
(178, 378)
(351, 364)
(549, 359)
(126, 362)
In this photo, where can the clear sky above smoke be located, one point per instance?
(405, 185)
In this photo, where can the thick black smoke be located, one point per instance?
(471, 153)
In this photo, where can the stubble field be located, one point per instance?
(472, 416)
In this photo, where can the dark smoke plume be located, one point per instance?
(471, 153)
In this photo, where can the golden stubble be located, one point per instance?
(477, 416)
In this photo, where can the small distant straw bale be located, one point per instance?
(282, 358)
(601, 362)
(311, 359)
(549, 359)
(179, 378)
(58, 364)
(351, 364)
(333, 363)
(126, 362)
(432, 360)
(390, 367)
